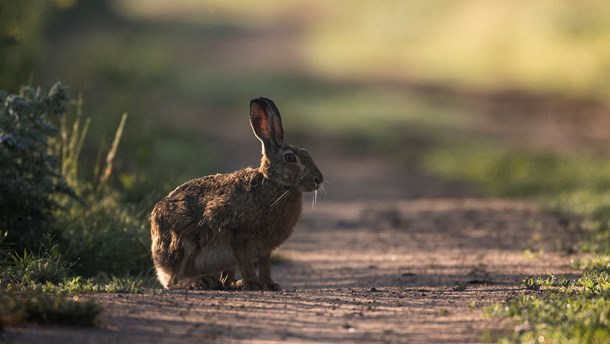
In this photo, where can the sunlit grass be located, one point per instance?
(376, 113)
(543, 46)
(546, 46)
(518, 173)
(567, 311)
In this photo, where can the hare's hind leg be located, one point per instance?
(174, 266)
(188, 276)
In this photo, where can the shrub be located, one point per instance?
(29, 175)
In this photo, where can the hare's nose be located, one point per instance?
(317, 180)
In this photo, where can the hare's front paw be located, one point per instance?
(273, 286)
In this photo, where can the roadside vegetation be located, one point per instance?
(64, 231)
(552, 309)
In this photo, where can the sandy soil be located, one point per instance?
(355, 272)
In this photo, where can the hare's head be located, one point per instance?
(282, 163)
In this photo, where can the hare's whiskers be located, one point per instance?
(314, 199)
(279, 199)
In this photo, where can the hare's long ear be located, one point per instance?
(266, 123)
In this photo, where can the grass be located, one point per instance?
(100, 240)
(64, 301)
(40, 289)
(498, 171)
(575, 188)
(565, 311)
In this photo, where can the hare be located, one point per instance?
(207, 227)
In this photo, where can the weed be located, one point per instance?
(108, 237)
(102, 284)
(48, 266)
(531, 283)
(459, 286)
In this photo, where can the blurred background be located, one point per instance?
(399, 99)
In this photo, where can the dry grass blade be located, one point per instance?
(113, 150)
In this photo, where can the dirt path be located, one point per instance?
(355, 272)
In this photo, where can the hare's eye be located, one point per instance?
(289, 157)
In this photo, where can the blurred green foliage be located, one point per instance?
(544, 46)
(22, 25)
(499, 171)
(548, 46)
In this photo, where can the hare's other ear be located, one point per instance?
(266, 122)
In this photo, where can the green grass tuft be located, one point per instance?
(531, 284)
(569, 311)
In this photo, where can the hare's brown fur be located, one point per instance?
(208, 227)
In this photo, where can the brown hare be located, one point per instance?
(208, 227)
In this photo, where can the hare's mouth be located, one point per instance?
(307, 188)
(313, 185)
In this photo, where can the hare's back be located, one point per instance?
(206, 199)
(219, 184)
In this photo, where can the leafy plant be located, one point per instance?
(29, 175)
